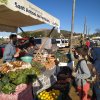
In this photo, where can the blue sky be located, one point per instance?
(62, 9)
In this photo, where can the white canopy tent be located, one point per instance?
(21, 13)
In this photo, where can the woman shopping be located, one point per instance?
(81, 73)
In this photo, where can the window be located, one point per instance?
(63, 41)
(58, 41)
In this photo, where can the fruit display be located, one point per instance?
(48, 62)
(12, 66)
(4, 69)
(51, 95)
(18, 72)
(10, 80)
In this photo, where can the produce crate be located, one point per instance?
(23, 92)
(43, 82)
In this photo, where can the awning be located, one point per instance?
(21, 13)
(8, 28)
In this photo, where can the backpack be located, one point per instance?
(92, 70)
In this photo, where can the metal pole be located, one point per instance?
(88, 31)
(84, 31)
(72, 24)
(21, 29)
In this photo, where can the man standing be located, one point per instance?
(10, 53)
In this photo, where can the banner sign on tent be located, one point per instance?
(32, 11)
(25, 14)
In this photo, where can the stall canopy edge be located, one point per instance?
(21, 13)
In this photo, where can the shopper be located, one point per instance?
(88, 43)
(81, 73)
(10, 53)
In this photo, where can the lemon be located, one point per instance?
(42, 98)
(40, 94)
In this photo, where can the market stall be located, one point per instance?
(25, 77)
(15, 75)
(34, 77)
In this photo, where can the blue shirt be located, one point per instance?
(9, 53)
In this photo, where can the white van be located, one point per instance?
(62, 43)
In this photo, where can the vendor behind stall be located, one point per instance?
(29, 47)
(10, 53)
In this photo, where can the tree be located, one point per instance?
(25, 34)
(38, 34)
